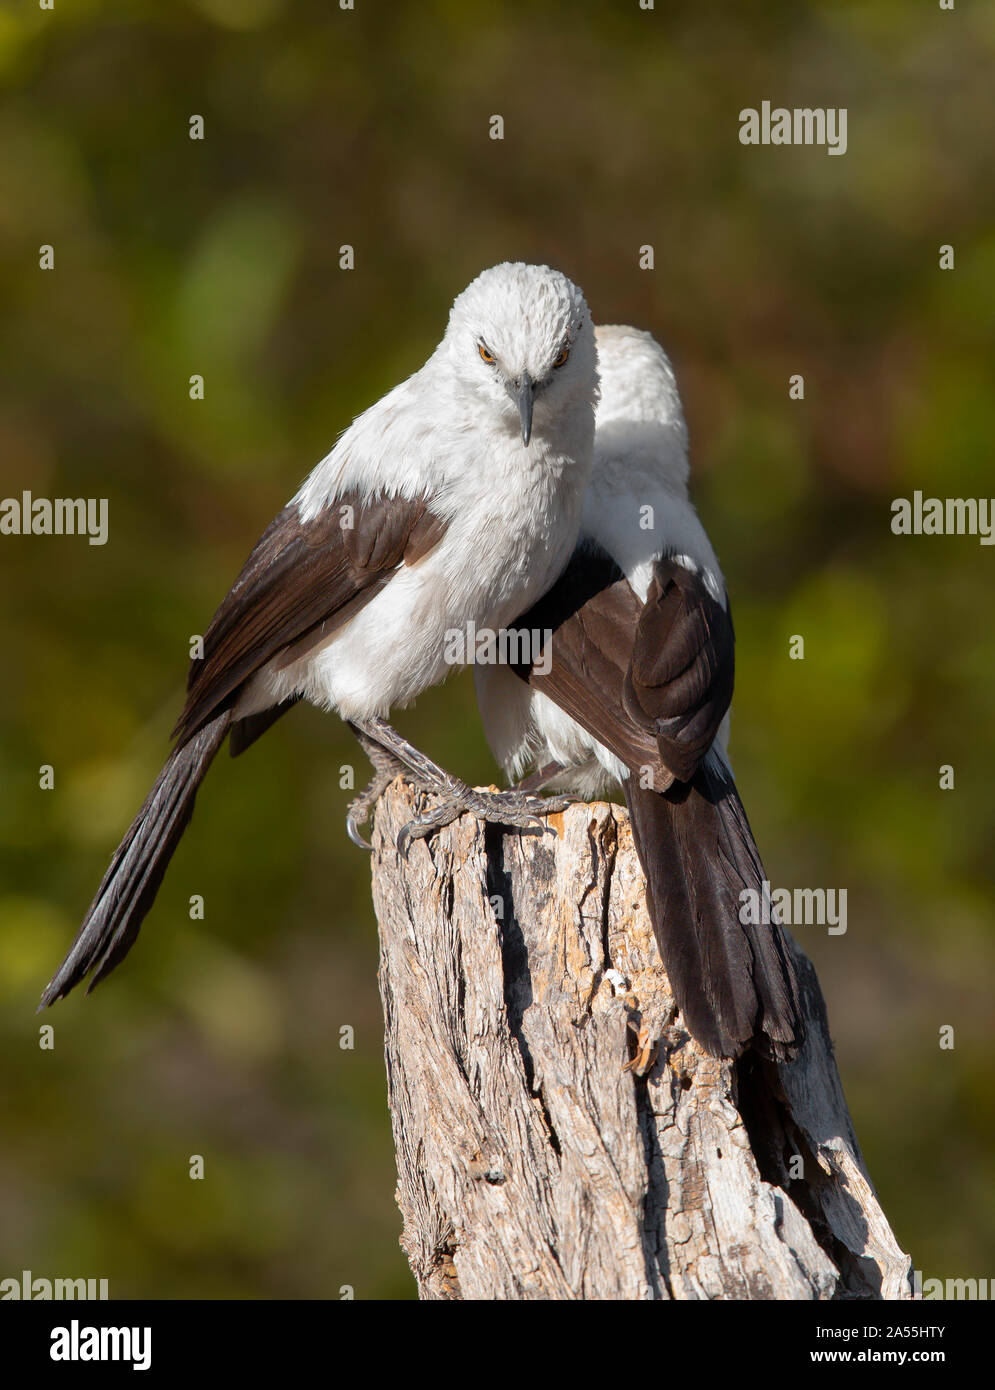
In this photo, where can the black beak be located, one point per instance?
(525, 397)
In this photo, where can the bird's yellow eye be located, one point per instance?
(487, 356)
(561, 360)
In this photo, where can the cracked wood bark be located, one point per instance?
(515, 973)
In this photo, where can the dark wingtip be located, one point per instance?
(52, 994)
(63, 982)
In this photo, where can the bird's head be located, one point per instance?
(521, 338)
(640, 416)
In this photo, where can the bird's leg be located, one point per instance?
(517, 808)
(385, 768)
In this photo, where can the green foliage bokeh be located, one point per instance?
(221, 257)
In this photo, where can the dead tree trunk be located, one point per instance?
(557, 1137)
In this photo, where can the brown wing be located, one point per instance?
(652, 682)
(591, 614)
(301, 582)
(680, 680)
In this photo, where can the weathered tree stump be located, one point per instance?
(545, 1148)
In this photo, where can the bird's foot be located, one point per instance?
(360, 809)
(391, 754)
(512, 808)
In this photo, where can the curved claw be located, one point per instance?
(416, 830)
(352, 830)
(539, 828)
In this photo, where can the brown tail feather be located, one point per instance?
(132, 880)
(734, 983)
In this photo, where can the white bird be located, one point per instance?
(636, 689)
(456, 499)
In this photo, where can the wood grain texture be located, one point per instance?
(517, 974)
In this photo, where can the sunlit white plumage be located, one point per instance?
(452, 431)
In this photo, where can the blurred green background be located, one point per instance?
(221, 257)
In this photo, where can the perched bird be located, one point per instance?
(635, 688)
(455, 499)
